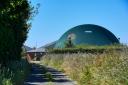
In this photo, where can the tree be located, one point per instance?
(69, 43)
(14, 26)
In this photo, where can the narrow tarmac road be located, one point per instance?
(37, 77)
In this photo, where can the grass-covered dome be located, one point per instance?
(88, 34)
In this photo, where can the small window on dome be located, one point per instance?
(88, 31)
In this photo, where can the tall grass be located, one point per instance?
(108, 68)
(14, 73)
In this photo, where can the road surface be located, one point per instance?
(37, 77)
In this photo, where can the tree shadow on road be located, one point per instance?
(38, 76)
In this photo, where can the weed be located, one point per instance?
(49, 76)
(107, 68)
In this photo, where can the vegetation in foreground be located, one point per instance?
(15, 73)
(14, 26)
(107, 68)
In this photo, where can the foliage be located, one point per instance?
(108, 68)
(15, 73)
(49, 76)
(69, 43)
(87, 49)
(14, 26)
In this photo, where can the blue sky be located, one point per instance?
(55, 17)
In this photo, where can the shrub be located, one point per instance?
(14, 26)
(87, 49)
(49, 76)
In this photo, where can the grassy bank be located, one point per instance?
(14, 73)
(87, 49)
(108, 68)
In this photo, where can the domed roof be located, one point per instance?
(87, 34)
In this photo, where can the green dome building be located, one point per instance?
(87, 34)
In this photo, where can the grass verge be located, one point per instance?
(107, 68)
(15, 73)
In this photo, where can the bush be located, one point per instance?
(14, 26)
(49, 76)
(89, 49)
